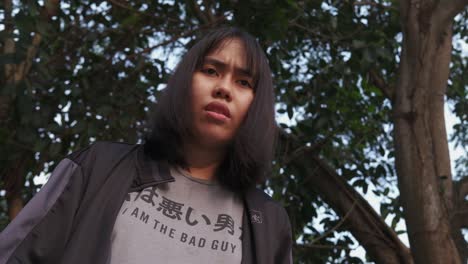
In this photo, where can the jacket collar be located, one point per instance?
(149, 172)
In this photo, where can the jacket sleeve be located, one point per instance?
(40, 231)
(284, 252)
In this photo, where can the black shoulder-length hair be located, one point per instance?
(250, 154)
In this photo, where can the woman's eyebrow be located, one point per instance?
(223, 66)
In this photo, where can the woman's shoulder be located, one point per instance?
(257, 198)
(269, 217)
(102, 150)
(101, 156)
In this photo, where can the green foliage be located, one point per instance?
(100, 67)
(457, 93)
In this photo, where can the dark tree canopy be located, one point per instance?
(74, 72)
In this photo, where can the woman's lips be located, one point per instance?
(218, 109)
(217, 117)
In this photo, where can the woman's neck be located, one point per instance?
(203, 162)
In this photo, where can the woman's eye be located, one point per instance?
(245, 83)
(209, 71)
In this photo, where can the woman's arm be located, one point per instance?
(40, 231)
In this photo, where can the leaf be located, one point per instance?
(365, 187)
(381, 151)
(358, 44)
(395, 221)
(283, 125)
(24, 104)
(79, 127)
(9, 59)
(384, 211)
(8, 89)
(4, 134)
(92, 130)
(290, 112)
(40, 145)
(104, 110)
(55, 149)
(380, 170)
(386, 191)
(131, 20)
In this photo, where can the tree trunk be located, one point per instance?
(14, 184)
(422, 157)
(460, 216)
(15, 204)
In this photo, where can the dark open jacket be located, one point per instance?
(71, 219)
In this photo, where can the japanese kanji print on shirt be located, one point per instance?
(186, 221)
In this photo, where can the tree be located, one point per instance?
(422, 156)
(15, 71)
(343, 71)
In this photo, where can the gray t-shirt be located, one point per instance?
(186, 221)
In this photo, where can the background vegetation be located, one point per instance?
(360, 89)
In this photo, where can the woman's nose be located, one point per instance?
(223, 89)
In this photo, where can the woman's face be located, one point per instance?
(222, 91)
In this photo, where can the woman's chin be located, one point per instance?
(213, 139)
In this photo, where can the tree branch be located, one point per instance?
(365, 3)
(208, 10)
(462, 188)
(164, 43)
(379, 240)
(380, 83)
(459, 218)
(119, 4)
(461, 244)
(9, 43)
(306, 247)
(319, 35)
(202, 18)
(51, 8)
(448, 9)
(333, 229)
(23, 68)
(14, 182)
(370, 3)
(129, 8)
(175, 38)
(17, 72)
(8, 49)
(309, 149)
(5, 102)
(460, 212)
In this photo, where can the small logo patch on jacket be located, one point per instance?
(256, 216)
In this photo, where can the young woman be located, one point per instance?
(188, 194)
